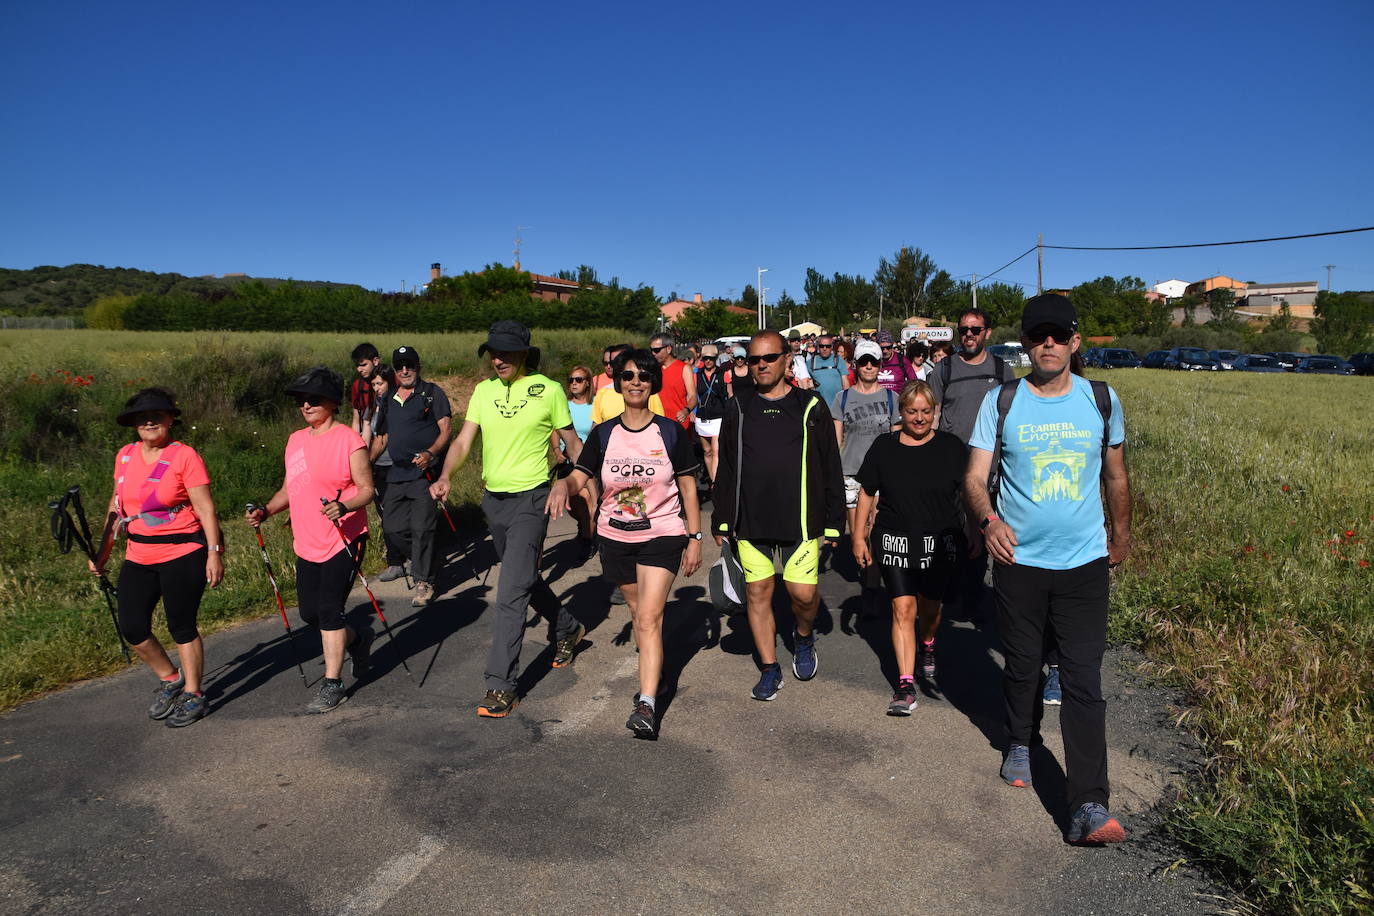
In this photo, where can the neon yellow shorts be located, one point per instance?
(801, 560)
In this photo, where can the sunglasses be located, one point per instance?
(629, 375)
(971, 329)
(866, 361)
(310, 400)
(769, 358)
(885, 346)
(711, 358)
(660, 349)
(1040, 335)
(576, 379)
(406, 367)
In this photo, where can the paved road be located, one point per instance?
(403, 801)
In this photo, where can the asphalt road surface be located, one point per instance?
(404, 801)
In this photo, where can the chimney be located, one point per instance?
(696, 298)
(434, 271)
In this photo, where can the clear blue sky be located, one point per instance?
(685, 146)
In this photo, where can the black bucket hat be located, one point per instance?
(510, 336)
(149, 399)
(321, 382)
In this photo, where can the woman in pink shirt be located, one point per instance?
(649, 527)
(328, 486)
(162, 501)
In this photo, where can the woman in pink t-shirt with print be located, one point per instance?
(649, 527)
(162, 501)
(328, 486)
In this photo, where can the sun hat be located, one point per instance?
(319, 381)
(146, 401)
(867, 348)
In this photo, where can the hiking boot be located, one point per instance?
(165, 697)
(641, 721)
(1016, 769)
(332, 693)
(804, 662)
(567, 647)
(391, 574)
(189, 708)
(770, 682)
(903, 701)
(424, 594)
(1053, 694)
(927, 661)
(1092, 823)
(360, 651)
(497, 704)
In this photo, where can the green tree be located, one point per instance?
(1222, 303)
(785, 310)
(712, 320)
(107, 312)
(903, 280)
(1344, 322)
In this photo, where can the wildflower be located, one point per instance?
(1249, 548)
(1349, 533)
(1286, 488)
(1364, 562)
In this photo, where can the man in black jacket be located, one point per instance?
(778, 491)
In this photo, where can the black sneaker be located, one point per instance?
(165, 697)
(927, 663)
(903, 700)
(641, 721)
(360, 651)
(189, 708)
(332, 693)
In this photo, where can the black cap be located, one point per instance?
(320, 382)
(1052, 309)
(145, 401)
(506, 335)
(405, 356)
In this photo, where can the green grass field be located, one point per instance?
(1249, 587)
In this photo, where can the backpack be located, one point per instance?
(947, 369)
(1005, 395)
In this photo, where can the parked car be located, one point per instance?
(1092, 357)
(1319, 365)
(1256, 362)
(1288, 360)
(1155, 359)
(1224, 357)
(1344, 366)
(1362, 363)
(1117, 358)
(1012, 354)
(1190, 359)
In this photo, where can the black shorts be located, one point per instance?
(915, 563)
(322, 588)
(619, 559)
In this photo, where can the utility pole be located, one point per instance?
(975, 290)
(1329, 268)
(1040, 264)
(880, 311)
(763, 303)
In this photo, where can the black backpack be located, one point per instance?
(1005, 395)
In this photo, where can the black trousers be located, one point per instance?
(408, 519)
(1074, 602)
(394, 556)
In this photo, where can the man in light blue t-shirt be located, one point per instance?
(1051, 552)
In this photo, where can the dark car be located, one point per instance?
(1190, 359)
(1319, 365)
(1344, 366)
(1224, 357)
(1092, 357)
(1256, 362)
(1116, 358)
(1287, 360)
(1155, 359)
(1362, 363)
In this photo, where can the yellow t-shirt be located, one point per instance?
(516, 421)
(609, 404)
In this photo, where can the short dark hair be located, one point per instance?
(976, 313)
(365, 351)
(917, 348)
(617, 349)
(387, 374)
(644, 361)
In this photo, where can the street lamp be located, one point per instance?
(763, 303)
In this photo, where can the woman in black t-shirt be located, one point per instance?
(919, 471)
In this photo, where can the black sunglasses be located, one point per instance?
(309, 400)
(1040, 335)
(711, 358)
(576, 379)
(769, 358)
(660, 349)
(629, 375)
(825, 346)
(971, 329)
(867, 361)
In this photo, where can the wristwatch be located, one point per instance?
(695, 536)
(215, 548)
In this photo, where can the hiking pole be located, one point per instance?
(65, 532)
(358, 568)
(440, 504)
(267, 564)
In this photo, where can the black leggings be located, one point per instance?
(322, 588)
(179, 583)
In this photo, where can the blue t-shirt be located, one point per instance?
(1051, 468)
(828, 375)
(582, 419)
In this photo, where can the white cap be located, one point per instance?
(868, 348)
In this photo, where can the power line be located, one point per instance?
(985, 277)
(1277, 238)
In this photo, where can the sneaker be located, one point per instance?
(424, 594)
(641, 721)
(567, 647)
(1092, 823)
(189, 708)
(927, 663)
(165, 697)
(497, 704)
(804, 661)
(391, 574)
(360, 651)
(903, 701)
(332, 693)
(617, 597)
(770, 682)
(1016, 768)
(1054, 694)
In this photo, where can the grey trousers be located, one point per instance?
(408, 518)
(518, 525)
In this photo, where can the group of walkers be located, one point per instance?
(931, 464)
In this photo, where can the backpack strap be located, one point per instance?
(946, 369)
(150, 510)
(889, 401)
(844, 402)
(1005, 395)
(1103, 396)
